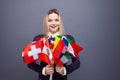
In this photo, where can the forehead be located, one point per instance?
(53, 15)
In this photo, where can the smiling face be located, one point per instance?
(53, 23)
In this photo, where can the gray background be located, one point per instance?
(93, 23)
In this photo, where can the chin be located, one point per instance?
(54, 30)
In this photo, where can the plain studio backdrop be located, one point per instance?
(93, 23)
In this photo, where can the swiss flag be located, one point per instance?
(32, 51)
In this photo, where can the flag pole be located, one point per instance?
(50, 76)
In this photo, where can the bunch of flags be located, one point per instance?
(58, 50)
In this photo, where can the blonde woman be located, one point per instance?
(53, 26)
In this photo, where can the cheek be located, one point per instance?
(58, 23)
(48, 23)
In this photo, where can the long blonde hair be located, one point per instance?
(45, 26)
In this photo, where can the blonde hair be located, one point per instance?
(45, 26)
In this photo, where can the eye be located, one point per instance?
(49, 20)
(57, 20)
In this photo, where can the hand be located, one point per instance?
(49, 69)
(60, 69)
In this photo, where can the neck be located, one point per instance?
(53, 34)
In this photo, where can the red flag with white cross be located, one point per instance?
(31, 52)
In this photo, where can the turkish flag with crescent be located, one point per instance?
(31, 52)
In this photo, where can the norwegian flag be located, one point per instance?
(31, 52)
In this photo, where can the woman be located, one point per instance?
(53, 26)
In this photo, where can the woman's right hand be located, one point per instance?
(49, 69)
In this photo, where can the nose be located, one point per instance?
(53, 22)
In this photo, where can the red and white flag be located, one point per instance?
(41, 50)
(46, 54)
(32, 51)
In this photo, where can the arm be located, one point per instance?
(67, 69)
(75, 62)
(34, 66)
(73, 66)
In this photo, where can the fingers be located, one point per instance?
(59, 69)
(49, 69)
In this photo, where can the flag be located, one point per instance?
(57, 49)
(46, 54)
(32, 51)
(69, 47)
(64, 59)
(60, 52)
(72, 47)
(77, 48)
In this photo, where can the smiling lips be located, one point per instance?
(53, 26)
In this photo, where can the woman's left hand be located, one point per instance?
(60, 69)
